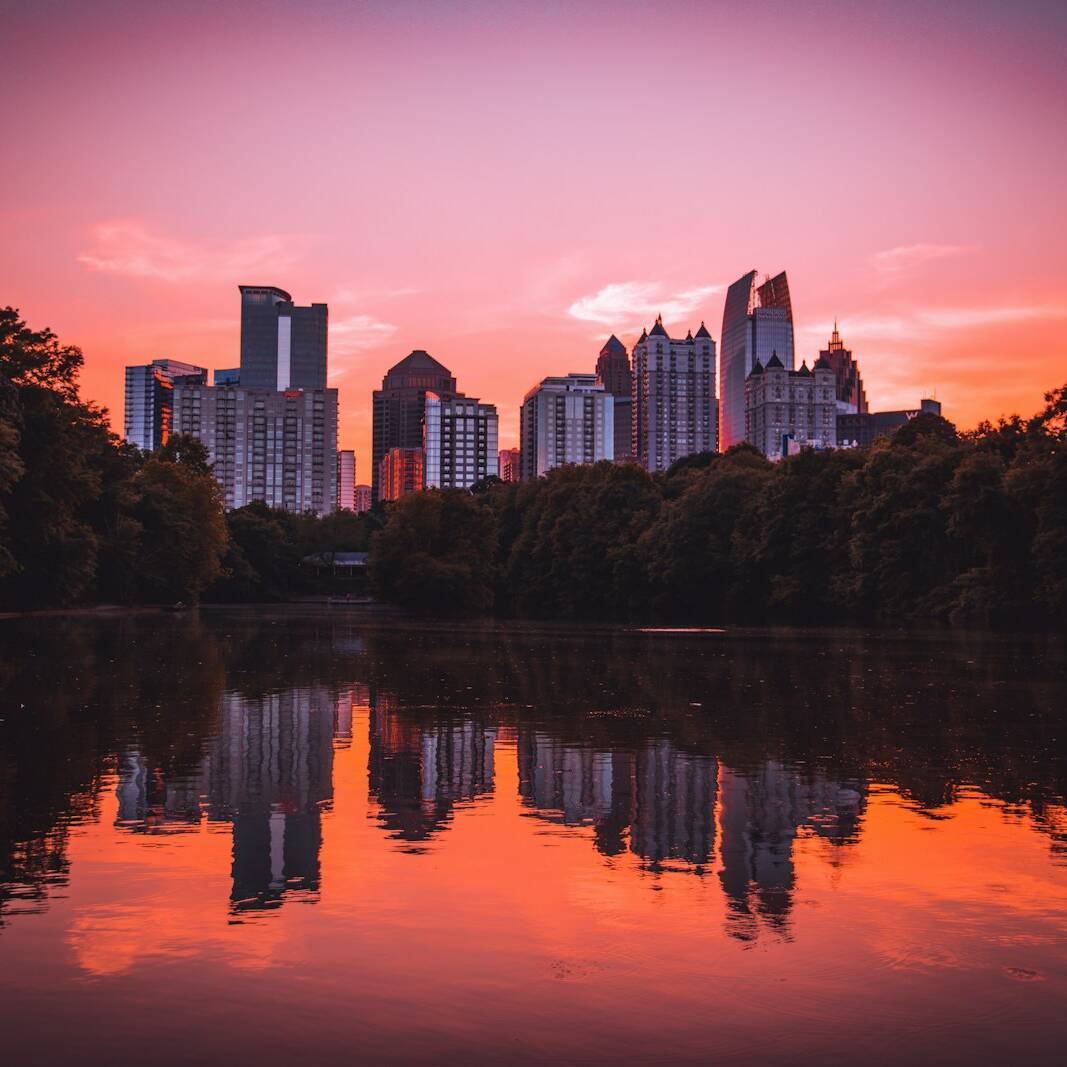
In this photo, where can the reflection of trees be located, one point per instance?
(718, 750)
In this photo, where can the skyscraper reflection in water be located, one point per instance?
(761, 813)
(268, 771)
(419, 770)
(663, 797)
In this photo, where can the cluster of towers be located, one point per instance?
(270, 425)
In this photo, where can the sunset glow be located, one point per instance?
(504, 185)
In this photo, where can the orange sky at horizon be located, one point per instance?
(505, 185)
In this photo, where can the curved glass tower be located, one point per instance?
(757, 322)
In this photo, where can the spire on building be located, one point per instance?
(658, 330)
(774, 363)
(836, 344)
(703, 331)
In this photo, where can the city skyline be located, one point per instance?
(463, 237)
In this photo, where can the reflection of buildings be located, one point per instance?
(269, 772)
(665, 797)
(418, 771)
(760, 815)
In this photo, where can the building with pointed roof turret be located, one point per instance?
(851, 398)
(614, 373)
(787, 410)
(675, 407)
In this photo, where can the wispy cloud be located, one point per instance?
(131, 250)
(351, 295)
(925, 324)
(357, 334)
(903, 258)
(626, 305)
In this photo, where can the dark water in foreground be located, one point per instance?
(277, 836)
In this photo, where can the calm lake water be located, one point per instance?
(266, 836)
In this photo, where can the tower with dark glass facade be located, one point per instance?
(283, 346)
(757, 323)
(400, 406)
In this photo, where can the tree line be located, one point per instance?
(88, 518)
(928, 524)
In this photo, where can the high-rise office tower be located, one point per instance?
(459, 441)
(851, 399)
(278, 447)
(346, 480)
(149, 400)
(282, 346)
(757, 322)
(509, 465)
(400, 404)
(614, 373)
(787, 410)
(566, 420)
(675, 411)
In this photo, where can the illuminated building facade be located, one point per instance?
(346, 480)
(364, 498)
(509, 464)
(459, 441)
(149, 397)
(675, 410)
(401, 472)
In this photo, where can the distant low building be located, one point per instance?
(788, 410)
(509, 462)
(400, 473)
(862, 430)
(566, 420)
(364, 499)
(346, 480)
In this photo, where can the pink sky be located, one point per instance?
(504, 184)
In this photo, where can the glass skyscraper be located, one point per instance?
(757, 323)
(282, 346)
(149, 400)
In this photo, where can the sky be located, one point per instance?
(505, 184)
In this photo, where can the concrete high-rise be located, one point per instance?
(283, 346)
(757, 322)
(613, 371)
(149, 400)
(675, 410)
(459, 441)
(566, 420)
(346, 480)
(278, 447)
(400, 404)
